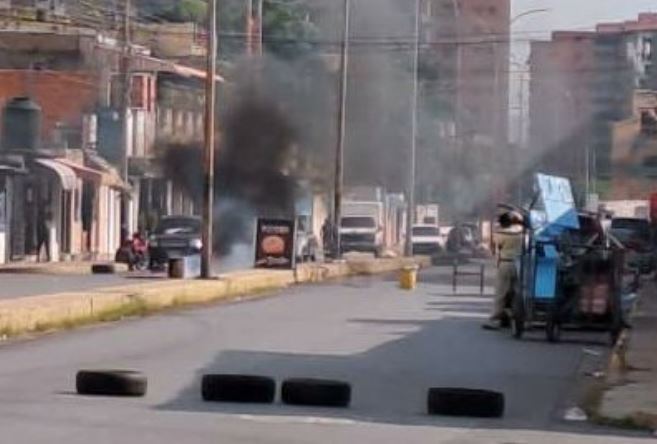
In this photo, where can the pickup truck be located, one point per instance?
(426, 239)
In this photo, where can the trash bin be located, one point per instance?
(177, 268)
(408, 277)
(188, 267)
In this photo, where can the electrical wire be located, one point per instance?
(473, 38)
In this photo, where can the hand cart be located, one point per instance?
(564, 279)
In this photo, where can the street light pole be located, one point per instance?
(249, 27)
(259, 15)
(126, 62)
(457, 82)
(521, 123)
(526, 13)
(210, 109)
(342, 122)
(414, 124)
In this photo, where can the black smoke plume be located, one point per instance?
(250, 169)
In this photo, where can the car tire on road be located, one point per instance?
(316, 392)
(103, 269)
(238, 388)
(111, 383)
(465, 402)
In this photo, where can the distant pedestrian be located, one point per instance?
(44, 227)
(508, 247)
(455, 240)
(327, 237)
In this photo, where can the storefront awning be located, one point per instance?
(82, 171)
(66, 175)
(105, 176)
(10, 169)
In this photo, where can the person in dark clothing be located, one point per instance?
(455, 239)
(44, 226)
(327, 237)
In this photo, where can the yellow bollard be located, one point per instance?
(408, 277)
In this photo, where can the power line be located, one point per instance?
(410, 39)
(396, 42)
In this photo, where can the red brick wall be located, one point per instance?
(562, 72)
(63, 96)
(484, 80)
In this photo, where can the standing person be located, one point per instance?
(455, 239)
(508, 247)
(327, 237)
(44, 226)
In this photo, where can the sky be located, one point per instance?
(581, 15)
(577, 14)
(568, 15)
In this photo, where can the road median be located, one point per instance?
(71, 309)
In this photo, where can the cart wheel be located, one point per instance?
(505, 321)
(518, 319)
(553, 329)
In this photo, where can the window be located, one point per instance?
(358, 222)
(646, 49)
(426, 231)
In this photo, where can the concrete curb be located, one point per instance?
(69, 310)
(618, 370)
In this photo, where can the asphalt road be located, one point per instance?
(389, 344)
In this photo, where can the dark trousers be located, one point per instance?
(43, 241)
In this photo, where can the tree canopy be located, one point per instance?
(186, 11)
(287, 27)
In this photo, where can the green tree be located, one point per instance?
(288, 31)
(287, 27)
(184, 11)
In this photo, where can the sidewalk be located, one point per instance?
(632, 396)
(53, 268)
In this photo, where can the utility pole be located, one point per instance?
(587, 169)
(414, 115)
(259, 24)
(249, 27)
(342, 122)
(125, 69)
(457, 78)
(210, 109)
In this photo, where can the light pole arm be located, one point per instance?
(527, 13)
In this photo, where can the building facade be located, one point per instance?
(591, 82)
(73, 77)
(465, 90)
(561, 107)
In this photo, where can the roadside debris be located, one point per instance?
(575, 414)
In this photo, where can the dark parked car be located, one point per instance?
(636, 235)
(174, 237)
